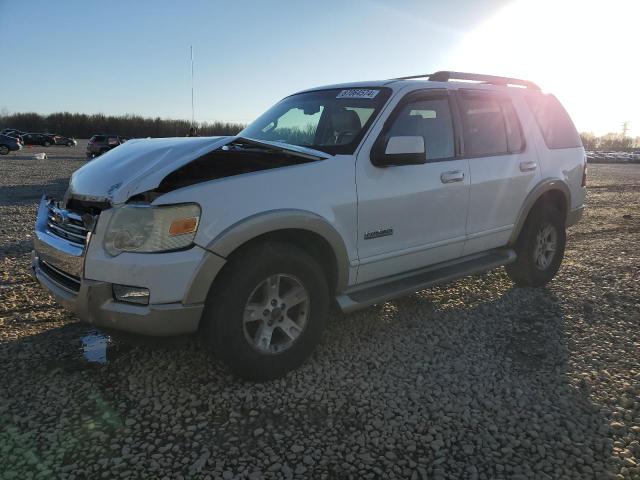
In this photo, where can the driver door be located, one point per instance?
(412, 216)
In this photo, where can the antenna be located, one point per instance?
(192, 109)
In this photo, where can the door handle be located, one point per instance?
(528, 166)
(452, 177)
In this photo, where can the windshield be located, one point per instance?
(333, 121)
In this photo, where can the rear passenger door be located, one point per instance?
(503, 167)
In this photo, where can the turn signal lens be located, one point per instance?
(183, 225)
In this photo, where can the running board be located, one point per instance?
(379, 291)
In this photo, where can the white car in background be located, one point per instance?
(355, 193)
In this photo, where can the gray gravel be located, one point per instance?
(474, 380)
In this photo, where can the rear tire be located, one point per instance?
(4, 150)
(540, 248)
(47, 144)
(246, 318)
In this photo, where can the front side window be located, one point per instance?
(429, 118)
(333, 121)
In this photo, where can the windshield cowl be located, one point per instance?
(305, 152)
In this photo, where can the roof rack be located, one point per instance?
(445, 76)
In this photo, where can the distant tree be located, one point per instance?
(615, 142)
(609, 142)
(589, 141)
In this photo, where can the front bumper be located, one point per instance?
(59, 266)
(94, 304)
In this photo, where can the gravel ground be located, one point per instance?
(474, 380)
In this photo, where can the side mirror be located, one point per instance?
(401, 150)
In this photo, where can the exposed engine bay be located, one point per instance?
(236, 158)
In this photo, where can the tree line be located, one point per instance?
(614, 142)
(80, 125)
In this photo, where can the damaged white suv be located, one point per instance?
(355, 193)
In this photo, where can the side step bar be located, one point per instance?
(379, 291)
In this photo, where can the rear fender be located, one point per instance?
(540, 189)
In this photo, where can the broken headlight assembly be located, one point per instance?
(149, 229)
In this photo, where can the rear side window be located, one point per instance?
(490, 125)
(554, 122)
(98, 138)
(512, 127)
(430, 119)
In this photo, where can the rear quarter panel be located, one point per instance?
(565, 164)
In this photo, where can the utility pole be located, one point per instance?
(193, 116)
(625, 128)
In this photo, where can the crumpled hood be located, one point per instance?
(136, 166)
(140, 165)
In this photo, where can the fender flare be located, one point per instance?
(285, 219)
(534, 195)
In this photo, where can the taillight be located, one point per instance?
(584, 174)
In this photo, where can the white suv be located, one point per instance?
(356, 193)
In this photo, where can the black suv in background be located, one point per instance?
(43, 139)
(99, 144)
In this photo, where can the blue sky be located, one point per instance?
(133, 56)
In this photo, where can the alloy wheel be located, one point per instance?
(276, 314)
(545, 246)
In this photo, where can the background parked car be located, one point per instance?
(38, 139)
(68, 141)
(8, 131)
(9, 144)
(16, 135)
(99, 144)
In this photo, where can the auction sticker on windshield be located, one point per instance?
(358, 93)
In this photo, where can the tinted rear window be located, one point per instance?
(490, 124)
(484, 128)
(554, 122)
(515, 141)
(98, 138)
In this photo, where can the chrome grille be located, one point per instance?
(68, 282)
(66, 224)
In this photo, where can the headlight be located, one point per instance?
(145, 229)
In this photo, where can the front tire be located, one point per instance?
(4, 150)
(47, 144)
(266, 313)
(540, 248)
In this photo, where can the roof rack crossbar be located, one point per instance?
(426, 75)
(445, 76)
